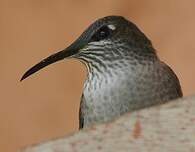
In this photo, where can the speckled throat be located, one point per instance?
(122, 82)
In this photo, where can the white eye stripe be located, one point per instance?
(112, 27)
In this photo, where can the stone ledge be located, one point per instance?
(168, 127)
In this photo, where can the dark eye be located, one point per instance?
(103, 33)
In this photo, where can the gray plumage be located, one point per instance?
(124, 71)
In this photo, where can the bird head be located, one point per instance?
(106, 38)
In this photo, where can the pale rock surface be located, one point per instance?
(163, 128)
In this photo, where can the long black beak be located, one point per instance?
(51, 59)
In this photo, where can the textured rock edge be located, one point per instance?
(168, 127)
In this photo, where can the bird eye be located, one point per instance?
(103, 33)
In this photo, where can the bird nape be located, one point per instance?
(124, 72)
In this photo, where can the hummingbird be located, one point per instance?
(124, 73)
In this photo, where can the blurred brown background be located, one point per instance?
(45, 106)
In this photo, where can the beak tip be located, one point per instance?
(23, 77)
